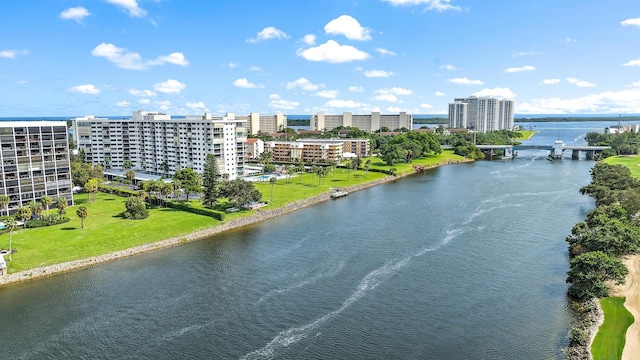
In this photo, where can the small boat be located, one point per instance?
(338, 194)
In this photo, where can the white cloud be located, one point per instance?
(385, 97)
(496, 92)
(519, 69)
(625, 101)
(349, 27)
(232, 65)
(303, 84)
(125, 59)
(123, 104)
(395, 109)
(309, 39)
(170, 86)
(197, 106)
(438, 5)
(377, 73)
(465, 81)
(329, 94)
(333, 52)
(130, 6)
(85, 89)
(267, 34)
(246, 84)
(635, 62)
(635, 84)
(426, 106)
(343, 104)
(277, 103)
(448, 67)
(550, 81)
(75, 13)
(580, 83)
(145, 93)
(631, 22)
(570, 40)
(163, 105)
(255, 68)
(525, 53)
(395, 91)
(383, 52)
(144, 101)
(12, 54)
(175, 58)
(357, 89)
(439, 93)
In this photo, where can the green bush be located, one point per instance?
(117, 191)
(218, 215)
(577, 337)
(46, 221)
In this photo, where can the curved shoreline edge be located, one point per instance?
(259, 216)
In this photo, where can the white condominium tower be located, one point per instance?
(156, 144)
(35, 162)
(481, 114)
(368, 123)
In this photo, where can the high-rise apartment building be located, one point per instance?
(35, 162)
(156, 144)
(481, 114)
(369, 123)
(270, 124)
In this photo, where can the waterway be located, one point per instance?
(463, 262)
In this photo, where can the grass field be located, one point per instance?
(105, 231)
(526, 134)
(610, 339)
(630, 161)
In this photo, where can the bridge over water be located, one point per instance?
(555, 151)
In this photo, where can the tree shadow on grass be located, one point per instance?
(68, 228)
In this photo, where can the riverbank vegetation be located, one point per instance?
(597, 244)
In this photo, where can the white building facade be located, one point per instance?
(369, 123)
(35, 162)
(156, 144)
(482, 114)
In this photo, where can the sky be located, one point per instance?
(188, 57)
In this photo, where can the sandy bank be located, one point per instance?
(259, 216)
(631, 290)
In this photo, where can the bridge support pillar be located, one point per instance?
(590, 154)
(575, 154)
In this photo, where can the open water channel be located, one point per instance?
(463, 262)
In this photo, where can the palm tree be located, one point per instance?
(24, 214)
(82, 213)
(62, 204)
(4, 202)
(273, 180)
(46, 201)
(130, 175)
(36, 208)
(127, 165)
(107, 161)
(11, 225)
(367, 166)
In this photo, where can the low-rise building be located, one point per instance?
(369, 123)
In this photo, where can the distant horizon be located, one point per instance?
(302, 116)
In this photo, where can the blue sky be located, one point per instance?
(112, 57)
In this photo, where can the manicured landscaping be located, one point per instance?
(610, 339)
(106, 231)
(630, 161)
(526, 134)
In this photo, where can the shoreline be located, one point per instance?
(259, 216)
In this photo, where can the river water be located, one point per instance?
(463, 262)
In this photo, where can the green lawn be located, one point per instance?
(610, 339)
(105, 231)
(630, 161)
(526, 134)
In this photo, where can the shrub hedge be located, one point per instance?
(218, 215)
